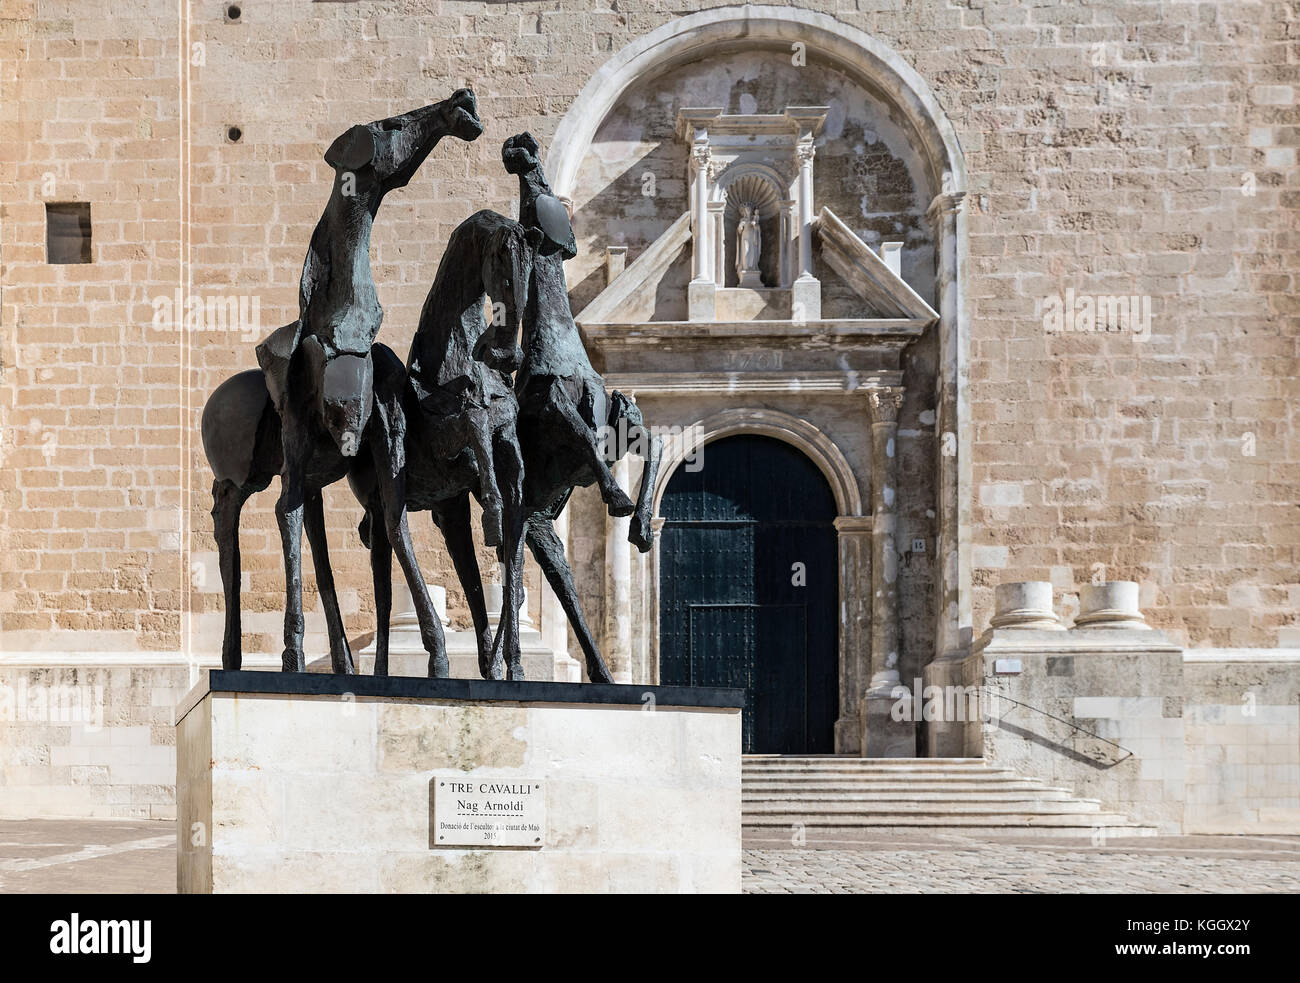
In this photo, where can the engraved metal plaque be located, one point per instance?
(488, 812)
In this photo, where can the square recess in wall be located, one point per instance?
(67, 232)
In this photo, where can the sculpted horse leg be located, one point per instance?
(640, 532)
(625, 417)
(510, 470)
(227, 502)
(392, 493)
(453, 518)
(314, 524)
(615, 499)
(381, 575)
(289, 517)
(480, 443)
(549, 553)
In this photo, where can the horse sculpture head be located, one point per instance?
(508, 259)
(384, 154)
(521, 156)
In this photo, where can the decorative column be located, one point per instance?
(788, 243)
(652, 606)
(807, 291)
(717, 224)
(952, 441)
(952, 438)
(854, 535)
(700, 291)
(1024, 604)
(882, 735)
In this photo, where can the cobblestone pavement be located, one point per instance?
(88, 856)
(942, 863)
(73, 856)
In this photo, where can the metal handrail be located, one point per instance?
(1068, 723)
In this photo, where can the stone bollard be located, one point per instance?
(494, 598)
(403, 617)
(1110, 605)
(1025, 604)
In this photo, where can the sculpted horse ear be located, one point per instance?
(353, 150)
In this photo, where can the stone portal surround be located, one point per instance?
(864, 56)
(883, 736)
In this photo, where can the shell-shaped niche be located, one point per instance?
(759, 192)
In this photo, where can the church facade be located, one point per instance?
(923, 299)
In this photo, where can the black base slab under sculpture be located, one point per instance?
(474, 690)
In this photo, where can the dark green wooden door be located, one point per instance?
(748, 589)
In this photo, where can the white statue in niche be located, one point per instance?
(749, 247)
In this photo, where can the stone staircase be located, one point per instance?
(899, 794)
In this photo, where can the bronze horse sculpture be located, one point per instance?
(318, 399)
(330, 401)
(563, 411)
(459, 410)
(566, 416)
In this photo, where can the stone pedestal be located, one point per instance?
(1098, 712)
(1026, 604)
(1112, 605)
(701, 300)
(957, 680)
(883, 736)
(806, 299)
(298, 782)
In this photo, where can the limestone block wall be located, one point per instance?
(89, 740)
(1242, 720)
(1192, 742)
(1122, 148)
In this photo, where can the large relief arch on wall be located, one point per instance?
(937, 238)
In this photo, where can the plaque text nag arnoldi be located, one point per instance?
(488, 812)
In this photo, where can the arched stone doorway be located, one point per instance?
(875, 378)
(748, 589)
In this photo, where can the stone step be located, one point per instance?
(841, 761)
(905, 793)
(966, 773)
(866, 768)
(955, 777)
(945, 807)
(884, 788)
(775, 833)
(915, 793)
(1009, 820)
(874, 780)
